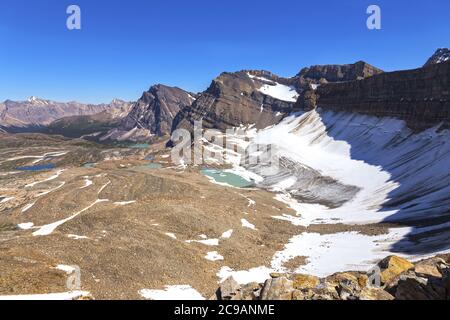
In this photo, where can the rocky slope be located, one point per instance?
(398, 279)
(33, 114)
(441, 55)
(152, 114)
(235, 99)
(421, 96)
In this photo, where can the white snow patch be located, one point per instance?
(49, 228)
(213, 256)
(124, 203)
(227, 234)
(247, 224)
(28, 207)
(172, 235)
(179, 292)
(276, 90)
(53, 177)
(6, 199)
(330, 253)
(250, 201)
(280, 92)
(51, 190)
(87, 183)
(67, 269)
(26, 226)
(259, 275)
(76, 237)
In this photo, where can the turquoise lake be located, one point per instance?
(232, 179)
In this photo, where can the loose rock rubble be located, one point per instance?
(398, 279)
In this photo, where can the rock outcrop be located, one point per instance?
(421, 96)
(428, 279)
(320, 74)
(441, 55)
(152, 115)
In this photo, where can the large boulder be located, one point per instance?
(230, 290)
(277, 289)
(429, 279)
(392, 266)
(303, 281)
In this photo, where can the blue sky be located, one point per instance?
(126, 46)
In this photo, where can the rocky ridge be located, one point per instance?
(320, 74)
(421, 96)
(259, 97)
(400, 279)
(441, 55)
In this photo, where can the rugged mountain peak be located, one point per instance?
(152, 114)
(441, 55)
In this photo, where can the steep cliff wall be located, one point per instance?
(421, 97)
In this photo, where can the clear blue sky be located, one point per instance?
(126, 46)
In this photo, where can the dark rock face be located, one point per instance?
(235, 99)
(335, 73)
(420, 96)
(441, 55)
(152, 115)
(35, 113)
(157, 108)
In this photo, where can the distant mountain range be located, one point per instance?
(37, 114)
(246, 97)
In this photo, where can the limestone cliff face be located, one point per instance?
(421, 97)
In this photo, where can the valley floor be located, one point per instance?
(105, 223)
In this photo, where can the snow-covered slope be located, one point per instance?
(338, 167)
(358, 169)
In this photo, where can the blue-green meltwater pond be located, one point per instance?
(152, 166)
(228, 178)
